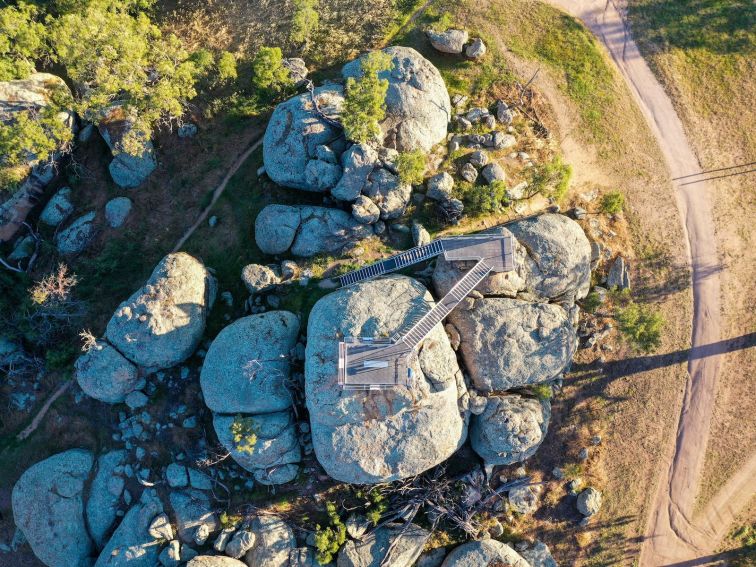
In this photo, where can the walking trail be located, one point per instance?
(673, 534)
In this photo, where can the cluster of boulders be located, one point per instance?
(159, 326)
(305, 148)
(76, 510)
(246, 375)
(455, 42)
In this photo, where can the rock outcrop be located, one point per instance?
(162, 323)
(76, 237)
(105, 494)
(510, 429)
(370, 437)
(406, 545)
(306, 231)
(486, 552)
(48, 508)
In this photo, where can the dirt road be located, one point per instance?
(672, 533)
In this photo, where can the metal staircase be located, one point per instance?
(394, 263)
(446, 305)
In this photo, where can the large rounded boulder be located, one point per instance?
(381, 436)
(484, 553)
(296, 149)
(510, 429)
(105, 374)
(162, 323)
(48, 508)
(508, 343)
(559, 256)
(418, 108)
(247, 366)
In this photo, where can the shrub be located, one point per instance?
(411, 166)
(641, 325)
(226, 66)
(541, 391)
(328, 540)
(203, 59)
(612, 203)
(305, 20)
(364, 104)
(268, 72)
(484, 199)
(376, 507)
(551, 179)
(591, 302)
(244, 434)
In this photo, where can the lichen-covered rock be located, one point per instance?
(76, 237)
(417, 102)
(104, 374)
(358, 163)
(128, 170)
(259, 278)
(406, 545)
(449, 41)
(510, 429)
(508, 343)
(365, 211)
(297, 69)
(48, 508)
(484, 553)
(57, 208)
(194, 513)
(305, 230)
(131, 545)
(559, 256)
(277, 443)
(105, 495)
(476, 49)
(247, 366)
(294, 132)
(493, 172)
(589, 501)
(162, 323)
(619, 275)
(274, 541)
(215, 561)
(523, 499)
(440, 187)
(370, 437)
(388, 192)
(117, 211)
(539, 555)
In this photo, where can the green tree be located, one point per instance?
(641, 325)
(411, 166)
(484, 199)
(22, 41)
(552, 179)
(268, 72)
(115, 56)
(226, 66)
(305, 21)
(612, 203)
(365, 101)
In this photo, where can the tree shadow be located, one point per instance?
(714, 26)
(732, 557)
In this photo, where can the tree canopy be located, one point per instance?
(365, 100)
(268, 72)
(22, 41)
(305, 21)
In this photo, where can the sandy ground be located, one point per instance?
(673, 534)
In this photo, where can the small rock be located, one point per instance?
(420, 236)
(589, 501)
(449, 41)
(476, 49)
(187, 130)
(58, 207)
(469, 173)
(365, 210)
(479, 158)
(596, 439)
(171, 554)
(160, 527)
(579, 213)
(242, 542)
(493, 172)
(289, 269)
(440, 187)
(136, 400)
(77, 236)
(177, 476)
(557, 473)
(501, 141)
(523, 499)
(212, 221)
(117, 210)
(503, 113)
(583, 454)
(258, 278)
